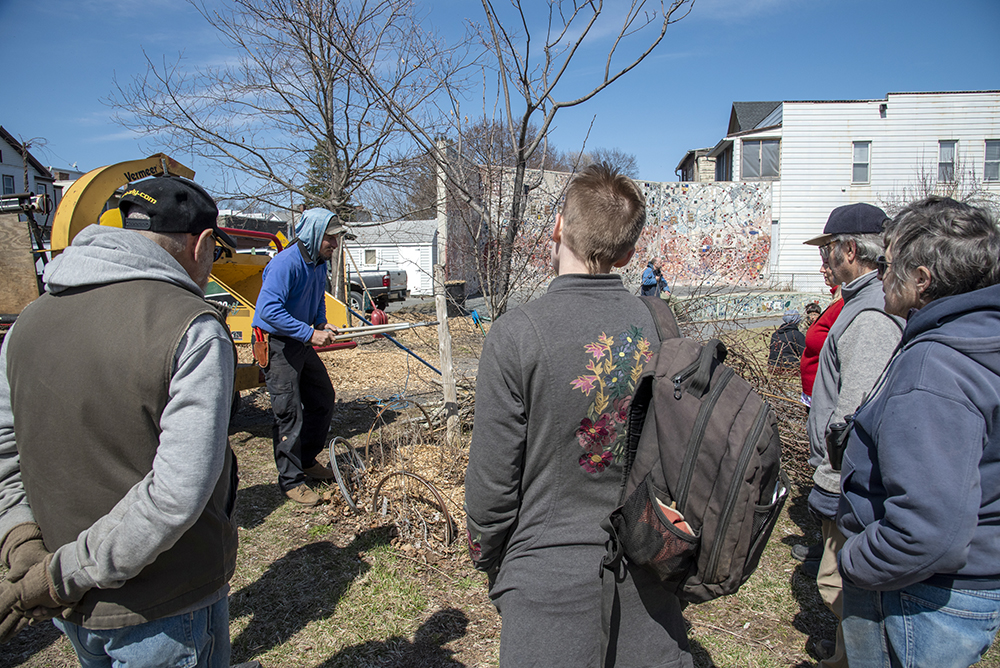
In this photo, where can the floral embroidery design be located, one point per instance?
(614, 370)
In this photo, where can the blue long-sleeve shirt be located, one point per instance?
(292, 298)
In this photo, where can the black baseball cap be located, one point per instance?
(170, 204)
(857, 218)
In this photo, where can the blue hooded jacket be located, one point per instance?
(292, 298)
(921, 475)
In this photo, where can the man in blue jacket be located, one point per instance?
(291, 309)
(653, 283)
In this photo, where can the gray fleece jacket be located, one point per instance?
(555, 381)
(856, 351)
(160, 508)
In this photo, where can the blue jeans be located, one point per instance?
(199, 638)
(920, 626)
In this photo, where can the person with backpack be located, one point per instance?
(921, 494)
(555, 381)
(787, 344)
(856, 351)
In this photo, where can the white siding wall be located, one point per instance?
(415, 259)
(817, 158)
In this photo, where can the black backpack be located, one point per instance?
(702, 485)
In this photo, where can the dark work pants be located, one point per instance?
(302, 400)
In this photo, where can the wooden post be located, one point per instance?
(444, 350)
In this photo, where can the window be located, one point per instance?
(724, 165)
(991, 170)
(946, 161)
(8, 184)
(40, 187)
(760, 159)
(370, 256)
(862, 151)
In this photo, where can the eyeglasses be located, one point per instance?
(220, 249)
(824, 251)
(881, 266)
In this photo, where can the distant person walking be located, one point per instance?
(653, 283)
(921, 490)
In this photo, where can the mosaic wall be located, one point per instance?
(710, 234)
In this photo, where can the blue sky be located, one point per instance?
(61, 58)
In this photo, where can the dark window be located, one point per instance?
(760, 159)
(724, 165)
(8, 184)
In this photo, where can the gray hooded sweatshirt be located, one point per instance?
(855, 353)
(159, 509)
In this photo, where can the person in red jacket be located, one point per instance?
(816, 337)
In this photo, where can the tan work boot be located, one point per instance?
(303, 495)
(319, 472)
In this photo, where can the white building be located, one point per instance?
(818, 155)
(40, 179)
(407, 245)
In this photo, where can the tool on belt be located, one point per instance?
(260, 347)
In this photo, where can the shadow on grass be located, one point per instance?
(426, 651)
(27, 643)
(355, 418)
(303, 586)
(798, 512)
(255, 504)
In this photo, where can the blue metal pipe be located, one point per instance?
(390, 337)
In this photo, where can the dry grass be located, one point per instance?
(327, 587)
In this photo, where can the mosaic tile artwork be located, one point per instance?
(709, 234)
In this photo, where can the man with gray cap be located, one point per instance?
(117, 483)
(857, 349)
(291, 311)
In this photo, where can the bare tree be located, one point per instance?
(960, 183)
(624, 163)
(532, 84)
(289, 118)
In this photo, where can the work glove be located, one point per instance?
(12, 621)
(32, 598)
(22, 548)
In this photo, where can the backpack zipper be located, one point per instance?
(698, 433)
(749, 447)
(681, 377)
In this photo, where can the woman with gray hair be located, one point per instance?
(921, 474)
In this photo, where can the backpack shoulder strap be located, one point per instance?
(663, 318)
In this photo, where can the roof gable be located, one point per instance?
(748, 115)
(394, 233)
(16, 145)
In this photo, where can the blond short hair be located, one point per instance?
(603, 216)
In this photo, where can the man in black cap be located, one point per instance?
(857, 349)
(115, 517)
